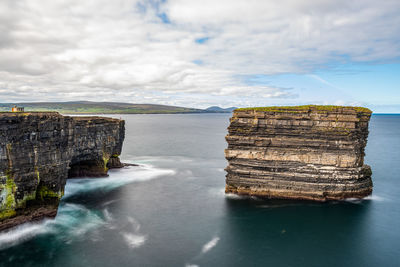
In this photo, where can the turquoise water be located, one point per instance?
(172, 210)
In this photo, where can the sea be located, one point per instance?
(171, 210)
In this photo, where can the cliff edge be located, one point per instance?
(40, 150)
(300, 152)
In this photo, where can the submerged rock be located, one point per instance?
(302, 152)
(40, 150)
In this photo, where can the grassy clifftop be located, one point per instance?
(305, 108)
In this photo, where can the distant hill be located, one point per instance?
(220, 110)
(87, 107)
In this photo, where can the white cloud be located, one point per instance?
(121, 50)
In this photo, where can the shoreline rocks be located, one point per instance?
(304, 152)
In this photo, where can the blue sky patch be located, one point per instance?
(198, 62)
(202, 40)
(164, 18)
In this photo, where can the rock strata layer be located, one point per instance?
(39, 151)
(303, 152)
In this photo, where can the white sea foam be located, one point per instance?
(75, 221)
(109, 220)
(72, 221)
(206, 248)
(134, 240)
(210, 244)
(234, 196)
(374, 197)
(135, 225)
(118, 178)
(22, 233)
(370, 197)
(79, 232)
(221, 193)
(149, 159)
(107, 215)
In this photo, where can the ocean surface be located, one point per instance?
(172, 210)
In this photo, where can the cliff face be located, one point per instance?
(39, 151)
(304, 152)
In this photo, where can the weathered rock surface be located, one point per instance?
(304, 152)
(39, 151)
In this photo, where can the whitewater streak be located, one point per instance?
(74, 220)
(118, 178)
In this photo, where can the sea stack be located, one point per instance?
(40, 150)
(299, 152)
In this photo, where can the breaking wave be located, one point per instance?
(220, 192)
(210, 244)
(117, 179)
(374, 197)
(368, 198)
(21, 234)
(134, 240)
(75, 221)
(206, 248)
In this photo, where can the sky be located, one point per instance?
(202, 53)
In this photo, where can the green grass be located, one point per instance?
(305, 108)
(43, 192)
(86, 107)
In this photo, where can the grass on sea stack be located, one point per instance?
(305, 108)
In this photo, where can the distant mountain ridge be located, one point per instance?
(219, 109)
(88, 107)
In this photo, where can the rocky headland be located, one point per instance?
(301, 152)
(40, 150)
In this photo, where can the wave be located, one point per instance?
(206, 248)
(210, 244)
(374, 197)
(150, 159)
(21, 234)
(370, 197)
(134, 224)
(75, 221)
(220, 192)
(107, 215)
(117, 179)
(134, 240)
(72, 221)
(235, 196)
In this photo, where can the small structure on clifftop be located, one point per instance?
(300, 152)
(17, 109)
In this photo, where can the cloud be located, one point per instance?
(169, 51)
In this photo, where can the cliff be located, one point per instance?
(303, 152)
(39, 151)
